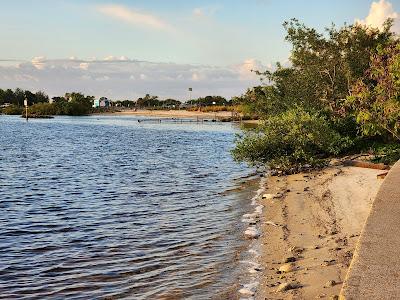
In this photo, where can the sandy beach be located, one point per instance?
(174, 113)
(309, 230)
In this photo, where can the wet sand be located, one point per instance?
(310, 229)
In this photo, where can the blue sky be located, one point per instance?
(225, 38)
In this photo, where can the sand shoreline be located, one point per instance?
(171, 113)
(309, 230)
(180, 114)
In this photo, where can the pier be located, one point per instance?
(189, 120)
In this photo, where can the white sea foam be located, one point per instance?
(259, 209)
(248, 290)
(254, 252)
(252, 232)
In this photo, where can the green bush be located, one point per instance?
(386, 153)
(290, 140)
(13, 110)
(42, 109)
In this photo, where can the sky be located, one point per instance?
(125, 49)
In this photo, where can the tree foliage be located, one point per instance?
(149, 101)
(18, 96)
(74, 104)
(208, 101)
(323, 70)
(375, 99)
(290, 139)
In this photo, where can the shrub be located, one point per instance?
(386, 153)
(42, 109)
(13, 110)
(289, 140)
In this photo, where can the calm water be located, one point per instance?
(109, 208)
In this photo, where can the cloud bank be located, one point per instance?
(124, 78)
(379, 12)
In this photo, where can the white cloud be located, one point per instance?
(246, 69)
(123, 78)
(84, 66)
(38, 62)
(379, 12)
(134, 17)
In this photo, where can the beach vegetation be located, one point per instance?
(332, 98)
(375, 98)
(291, 139)
(207, 101)
(12, 110)
(73, 104)
(152, 102)
(42, 109)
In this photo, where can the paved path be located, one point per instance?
(375, 269)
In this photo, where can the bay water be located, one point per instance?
(106, 207)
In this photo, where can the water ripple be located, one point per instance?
(109, 208)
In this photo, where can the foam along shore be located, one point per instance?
(309, 227)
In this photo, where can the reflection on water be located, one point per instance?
(106, 207)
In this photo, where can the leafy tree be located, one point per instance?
(323, 68)
(60, 105)
(148, 101)
(2, 97)
(376, 98)
(30, 97)
(19, 96)
(127, 103)
(208, 101)
(9, 97)
(41, 97)
(171, 103)
(78, 104)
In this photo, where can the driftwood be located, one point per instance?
(382, 175)
(365, 164)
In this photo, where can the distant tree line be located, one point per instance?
(12, 102)
(17, 97)
(74, 104)
(153, 102)
(209, 101)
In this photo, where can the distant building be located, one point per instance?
(102, 102)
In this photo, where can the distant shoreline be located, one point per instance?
(170, 113)
(176, 114)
